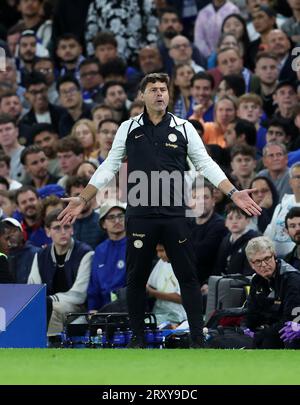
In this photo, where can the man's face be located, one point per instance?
(8, 134)
(267, 70)
(30, 8)
(29, 205)
(263, 263)
(293, 229)
(170, 25)
(11, 105)
(47, 69)
(69, 162)
(46, 141)
(249, 111)
(90, 77)
(243, 165)
(285, 97)
(37, 165)
(202, 92)
(276, 134)
(275, 159)
(229, 62)
(156, 97)
(105, 53)
(114, 221)
(68, 50)
(236, 222)
(150, 60)
(115, 97)
(278, 43)
(60, 234)
(38, 97)
(101, 114)
(27, 49)
(15, 237)
(180, 49)
(70, 96)
(106, 135)
(205, 202)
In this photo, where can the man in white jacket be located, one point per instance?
(64, 266)
(276, 229)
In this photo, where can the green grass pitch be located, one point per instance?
(149, 367)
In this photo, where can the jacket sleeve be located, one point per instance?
(34, 276)
(271, 228)
(201, 159)
(107, 170)
(77, 294)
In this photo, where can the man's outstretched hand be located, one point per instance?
(243, 200)
(72, 210)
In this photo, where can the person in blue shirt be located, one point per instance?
(108, 266)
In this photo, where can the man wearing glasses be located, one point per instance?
(108, 266)
(64, 266)
(274, 295)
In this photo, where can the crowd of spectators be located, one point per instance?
(71, 76)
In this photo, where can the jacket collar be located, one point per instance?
(175, 121)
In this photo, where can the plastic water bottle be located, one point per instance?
(149, 337)
(207, 336)
(96, 341)
(118, 340)
(158, 338)
(128, 335)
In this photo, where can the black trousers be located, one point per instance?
(174, 233)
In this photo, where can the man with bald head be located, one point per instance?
(279, 44)
(150, 60)
(181, 52)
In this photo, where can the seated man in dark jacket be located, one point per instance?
(231, 257)
(5, 276)
(64, 266)
(208, 233)
(274, 295)
(21, 252)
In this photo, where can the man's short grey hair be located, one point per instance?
(294, 166)
(281, 145)
(259, 244)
